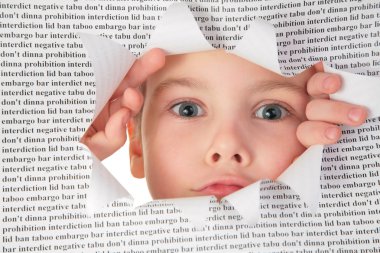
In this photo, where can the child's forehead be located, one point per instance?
(208, 64)
(212, 62)
(218, 58)
(204, 57)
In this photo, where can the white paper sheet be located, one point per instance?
(179, 33)
(259, 46)
(102, 194)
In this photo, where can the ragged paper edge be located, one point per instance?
(262, 35)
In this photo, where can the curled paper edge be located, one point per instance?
(107, 57)
(97, 199)
(310, 169)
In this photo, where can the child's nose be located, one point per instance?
(229, 149)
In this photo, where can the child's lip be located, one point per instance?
(223, 186)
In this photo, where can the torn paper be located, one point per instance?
(179, 33)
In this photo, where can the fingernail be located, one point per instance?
(329, 83)
(355, 114)
(332, 133)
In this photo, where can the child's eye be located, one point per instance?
(271, 112)
(187, 109)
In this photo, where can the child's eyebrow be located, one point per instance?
(261, 86)
(184, 82)
(270, 85)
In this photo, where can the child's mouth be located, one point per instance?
(220, 190)
(222, 187)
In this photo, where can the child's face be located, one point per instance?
(213, 123)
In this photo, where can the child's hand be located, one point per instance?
(108, 132)
(324, 114)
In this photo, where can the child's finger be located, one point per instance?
(146, 65)
(322, 84)
(104, 143)
(317, 132)
(318, 67)
(100, 121)
(336, 112)
(131, 99)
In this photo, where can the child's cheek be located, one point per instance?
(169, 156)
(278, 147)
